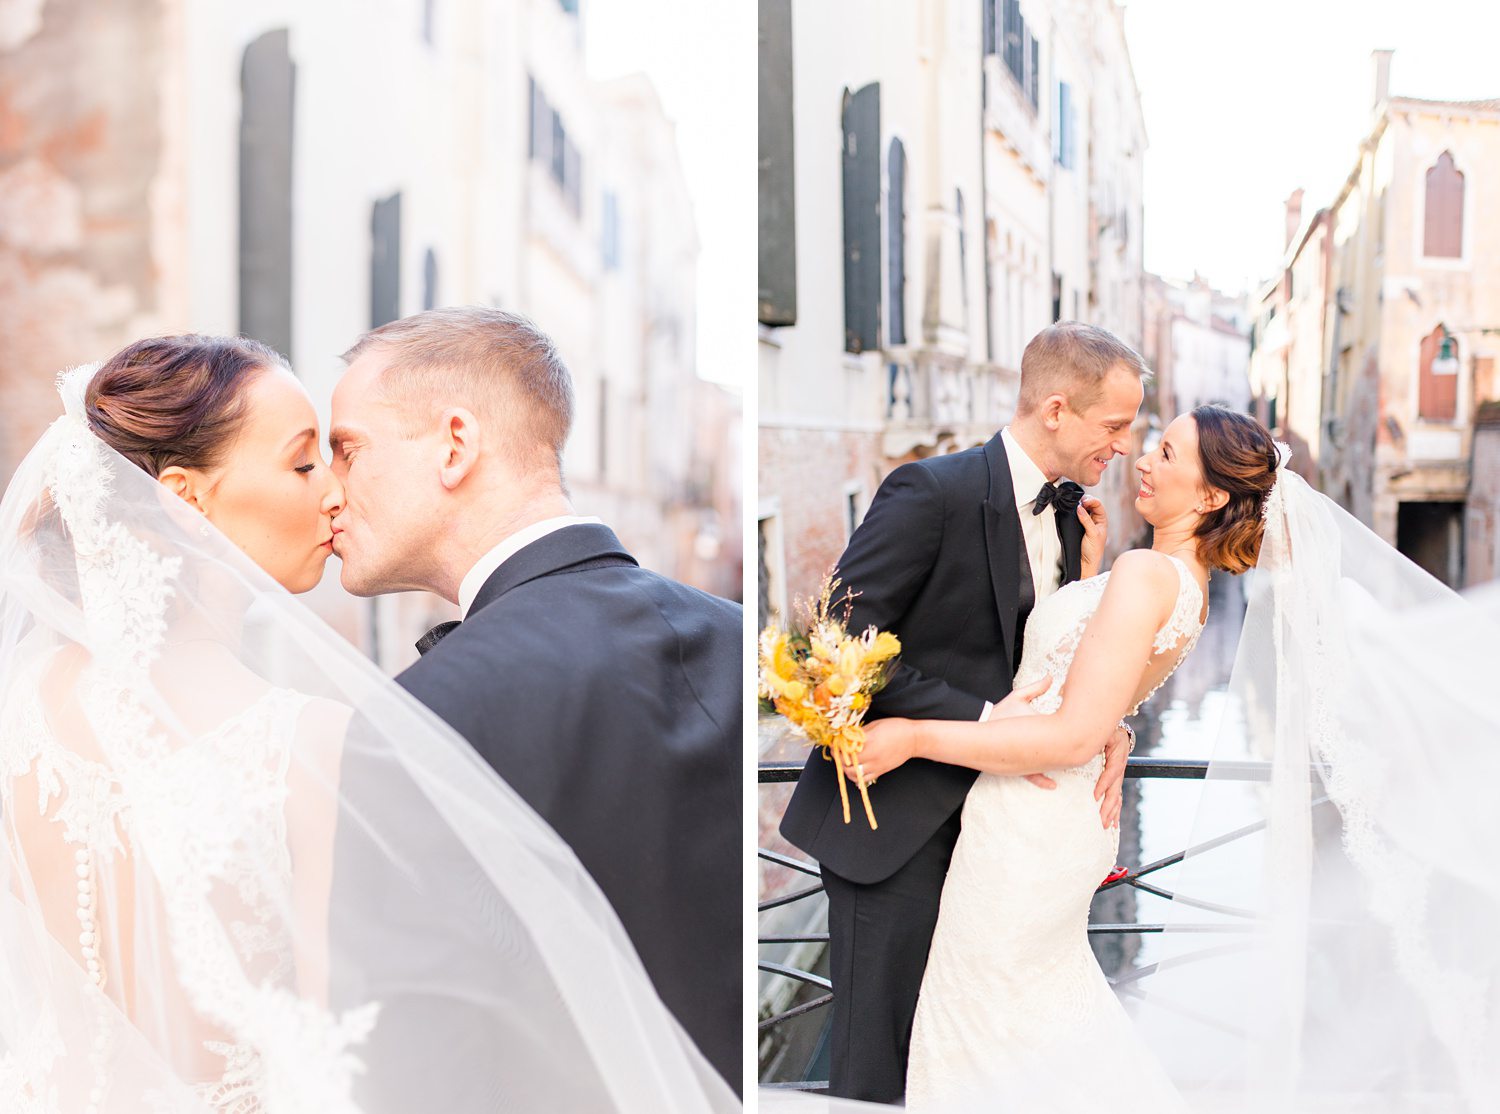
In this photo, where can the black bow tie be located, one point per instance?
(1064, 496)
(435, 635)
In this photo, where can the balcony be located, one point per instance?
(932, 397)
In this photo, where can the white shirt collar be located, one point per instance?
(468, 589)
(1025, 476)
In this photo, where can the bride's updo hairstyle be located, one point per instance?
(1237, 456)
(175, 401)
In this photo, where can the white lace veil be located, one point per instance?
(242, 870)
(1331, 945)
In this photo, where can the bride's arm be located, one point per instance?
(1106, 674)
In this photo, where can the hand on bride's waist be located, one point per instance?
(891, 743)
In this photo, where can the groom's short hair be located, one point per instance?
(498, 364)
(1073, 359)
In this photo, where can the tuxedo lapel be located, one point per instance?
(573, 547)
(1002, 535)
(1070, 533)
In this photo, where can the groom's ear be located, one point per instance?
(461, 440)
(185, 485)
(1050, 411)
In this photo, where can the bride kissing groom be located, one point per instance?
(243, 869)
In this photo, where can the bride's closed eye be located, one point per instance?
(305, 468)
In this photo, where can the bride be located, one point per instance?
(241, 870)
(1327, 944)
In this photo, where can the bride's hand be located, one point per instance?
(1018, 703)
(1095, 531)
(888, 744)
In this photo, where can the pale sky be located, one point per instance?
(701, 56)
(1244, 102)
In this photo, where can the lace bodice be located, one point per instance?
(1057, 623)
(208, 813)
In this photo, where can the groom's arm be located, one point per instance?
(887, 562)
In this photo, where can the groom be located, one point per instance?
(607, 696)
(953, 554)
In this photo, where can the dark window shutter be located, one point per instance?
(1437, 395)
(534, 99)
(429, 280)
(895, 215)
(385, 261)
(987, 20)
(776, 179)
(1033, 69)
(267, 110)
(862, 219)
(1444, 232)
(963, 247)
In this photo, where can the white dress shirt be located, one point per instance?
(486, 566)
(1039, 531)
(1043, 547)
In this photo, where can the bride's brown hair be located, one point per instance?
(177, 400)
(1237, 456)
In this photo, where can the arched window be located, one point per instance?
(895, 232)
(1444, 232)
(1437, 394)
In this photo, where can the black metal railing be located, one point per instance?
(780, 773)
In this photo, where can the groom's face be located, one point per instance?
(1089, 438)
(389, 493)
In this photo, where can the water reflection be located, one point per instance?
(1183, 720)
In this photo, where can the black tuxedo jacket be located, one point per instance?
(610, 699)
(937, 561)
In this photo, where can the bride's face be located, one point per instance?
(273, 495)
(1172, 490)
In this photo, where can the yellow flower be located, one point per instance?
(887, 646)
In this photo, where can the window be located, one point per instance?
(385, 261)
(429, 280)
(549, 144)
(1443, 235)
(610, 234)
(777, 241)
(1437, 395)
(895, 214)
(1064, 128)
(267, 112)
(861, 187)
(854, 507)
(963, 248)
(1020, 50)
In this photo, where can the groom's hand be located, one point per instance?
(1109, 790)
(1095, 532)
(1018, 703)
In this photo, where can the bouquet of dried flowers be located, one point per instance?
(822, 682)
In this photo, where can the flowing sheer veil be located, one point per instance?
(1330, 945)
(244, 871)
(1331, 942)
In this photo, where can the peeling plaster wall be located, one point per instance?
(80, 144)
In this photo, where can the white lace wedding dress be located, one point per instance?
(1012, 992)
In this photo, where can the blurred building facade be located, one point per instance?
(938, 182)
(1375, 346)
(301, 173)
(1197, 341)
